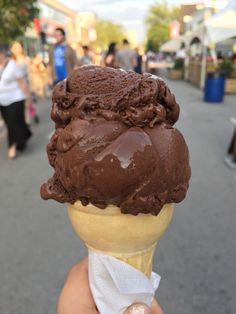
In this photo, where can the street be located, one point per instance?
(196, 257)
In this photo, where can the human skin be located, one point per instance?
(76, 296)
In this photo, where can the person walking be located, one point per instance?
(21, 58)
(62, 58)
(110, 59)
(23, 61)
(126, 57)
(86, 58)
(139, 62)
(13, 94)
(39, 76)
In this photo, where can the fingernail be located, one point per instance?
(138, 309)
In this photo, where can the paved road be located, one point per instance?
(196, 258)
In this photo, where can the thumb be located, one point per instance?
(141, 308)
(138, 308)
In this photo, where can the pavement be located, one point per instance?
(196, 257)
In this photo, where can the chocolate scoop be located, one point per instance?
(115, 142)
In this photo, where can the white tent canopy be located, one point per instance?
(197, 33)
(222, 25)
(172, 45)
(219, 27)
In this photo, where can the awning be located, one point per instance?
(172, 45)
(219, 27)
(222, 25)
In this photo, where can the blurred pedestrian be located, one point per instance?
(97, 57)
(181, 53)
(23, 62)
(126, 57)
(139, 62)
(233, 57)
(86, 58)
(220, 56)
(110, 59)
(39, 76)
(13, 94)
(62, 58)
(232, 147)
(21, 58)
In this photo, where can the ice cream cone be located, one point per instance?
(129, 238)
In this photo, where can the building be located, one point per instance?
(52, 14)
(55, 14)
(203, 11)
(85, 25)
(79, 27)
(185, 12)
(204, 42)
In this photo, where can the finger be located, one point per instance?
(155, 308)
(138, 308)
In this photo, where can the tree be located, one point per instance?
(158, 22)
(15, 17)
(107, 32)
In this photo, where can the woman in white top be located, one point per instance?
(22, 59)
(13, 93)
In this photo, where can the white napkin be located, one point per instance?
(116, 285)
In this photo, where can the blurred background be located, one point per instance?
(191, 45)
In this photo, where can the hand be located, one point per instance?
(76, 296)
(28, 101)
(140, 308)
(25, 89)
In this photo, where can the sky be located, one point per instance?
(129, 13)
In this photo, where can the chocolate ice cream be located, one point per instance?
(115, 142)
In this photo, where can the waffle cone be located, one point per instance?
(129, 238)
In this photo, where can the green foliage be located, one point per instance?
(158, 22)
(150, 45)
(108, 32)
(226, 67)
(15, 17)
(179, 64)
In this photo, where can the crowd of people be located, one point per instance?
(23, 79)
(63, 58)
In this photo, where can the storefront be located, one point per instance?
(209, 45)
